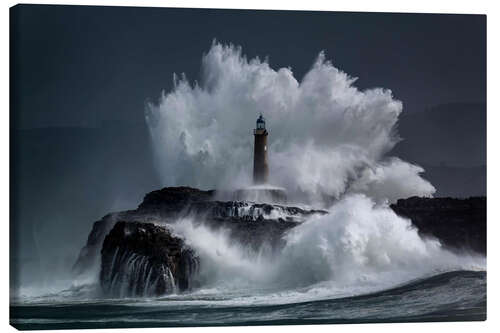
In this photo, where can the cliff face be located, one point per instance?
(139, 257)
(143, 259)
(458, 223)
(163, 205)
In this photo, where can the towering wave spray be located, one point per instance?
(328, 137)
(360, 246)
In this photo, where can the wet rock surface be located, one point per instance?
(143, 259)
(459, 224)
(252, 224)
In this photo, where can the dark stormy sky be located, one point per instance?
(80, 66)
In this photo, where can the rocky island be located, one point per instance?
(137, 254)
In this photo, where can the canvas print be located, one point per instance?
(212, 167)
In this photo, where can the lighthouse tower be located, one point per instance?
(260, 167)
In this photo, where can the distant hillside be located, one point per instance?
(449, 141)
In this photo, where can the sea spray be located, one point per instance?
(361, 242)
(143, 260)
(133, 275)
(359, 246)
(326, 137)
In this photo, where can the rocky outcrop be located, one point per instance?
(140, 257)
(163, 205)
(256, 225)
(459, 224)
(89, 255)
(250, 223)
(171, 201)
(260, 194)
(143, 259)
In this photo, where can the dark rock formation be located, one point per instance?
(141, 259)
(271, 195)
(458, 223)
(171, 201)
(162, 205)
(89, 254)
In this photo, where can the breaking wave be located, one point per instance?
(326, 136)
(360, 246)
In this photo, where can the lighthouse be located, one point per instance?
(260, 167)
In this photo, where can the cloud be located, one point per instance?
(325, 135)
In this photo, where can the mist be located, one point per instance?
(327, 137)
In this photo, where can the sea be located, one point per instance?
(450, 296)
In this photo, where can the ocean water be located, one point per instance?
(359, 263)
(451, 296)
